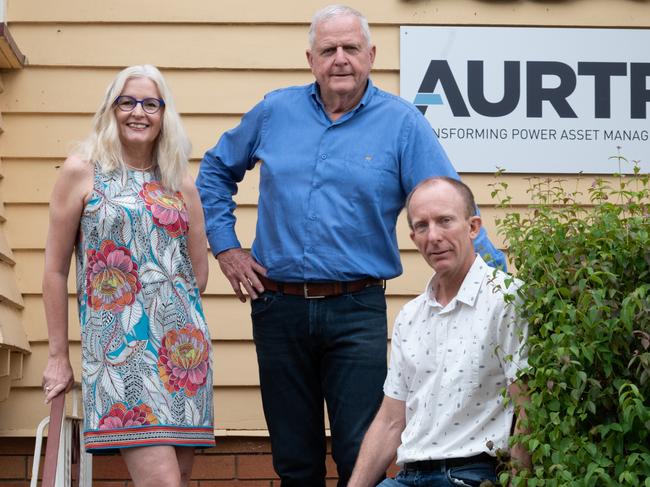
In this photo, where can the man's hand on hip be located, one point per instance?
(241, 269)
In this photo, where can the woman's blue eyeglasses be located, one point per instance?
(128, 103)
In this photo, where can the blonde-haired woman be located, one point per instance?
(126, 205)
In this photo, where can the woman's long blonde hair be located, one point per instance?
(172, 146)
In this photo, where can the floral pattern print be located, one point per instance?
(121, 417)
(111, 277)
(183, 359)
(168, 209)
(146, 349)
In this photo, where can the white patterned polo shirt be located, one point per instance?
(450, 364)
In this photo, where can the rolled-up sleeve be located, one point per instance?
(395, 385)
(221, 169)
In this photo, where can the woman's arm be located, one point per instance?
(197, 242)
(71, 190)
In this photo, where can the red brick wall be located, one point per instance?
(236, 462)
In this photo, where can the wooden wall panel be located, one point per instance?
(237, 411)
(258, 46)
(6, 255)
(571, 12)
(234, 364)
(238, 408)
(210, 91)
(10, 286)
(32, 180)
(54, 135)
(12, 332)
(13, 340)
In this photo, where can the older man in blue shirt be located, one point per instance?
(338, 158)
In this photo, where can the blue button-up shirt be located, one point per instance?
(330, 192)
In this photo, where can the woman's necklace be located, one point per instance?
(141, 169)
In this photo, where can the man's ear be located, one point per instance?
(412, 235)
(309, 58)
(475, 224)
(373, 53)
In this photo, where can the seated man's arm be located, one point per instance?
(518, 454)
(379, 444)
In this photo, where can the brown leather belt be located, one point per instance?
(314, 290)
(434, 465)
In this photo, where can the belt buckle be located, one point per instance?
(305, 288)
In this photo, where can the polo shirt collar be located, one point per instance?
(469, 289)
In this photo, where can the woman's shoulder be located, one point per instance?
(187, 184)
(76, 176)
(78, 167)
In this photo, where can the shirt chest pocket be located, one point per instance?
(461, 367)
(369, 174)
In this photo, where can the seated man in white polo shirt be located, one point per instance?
(454, 349)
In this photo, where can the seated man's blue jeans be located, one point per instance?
(310, 350)
(470, 475)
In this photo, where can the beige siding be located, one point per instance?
(576, 12)
(204, 92)
(219, 59)
(13, 340)
(24, 409)
(57, 132)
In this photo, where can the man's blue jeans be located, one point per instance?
(467, 475)
(310, 350)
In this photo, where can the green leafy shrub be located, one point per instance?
(586, 269)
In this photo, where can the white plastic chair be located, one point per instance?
(70, 437)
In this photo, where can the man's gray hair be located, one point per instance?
(332, 11)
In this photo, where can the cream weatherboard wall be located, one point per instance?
(219, 57)
(14, 344)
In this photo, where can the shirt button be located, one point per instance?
(312, 217)
(323, 156)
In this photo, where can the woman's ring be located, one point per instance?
(47, 388)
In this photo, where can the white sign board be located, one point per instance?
(532, 100)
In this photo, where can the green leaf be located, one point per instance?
(533, 444)
(591, 449)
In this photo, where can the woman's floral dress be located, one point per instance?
(146, 355)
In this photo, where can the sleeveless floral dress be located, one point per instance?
(146, 351)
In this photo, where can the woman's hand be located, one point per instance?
(58, 377)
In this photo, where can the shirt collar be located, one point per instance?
(469, 289)
(314, 91)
